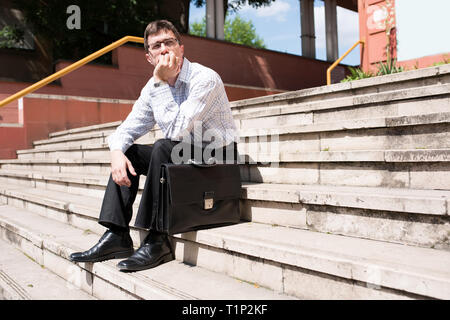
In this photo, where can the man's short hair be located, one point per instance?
(157, 26)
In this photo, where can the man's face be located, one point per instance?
(160, 44)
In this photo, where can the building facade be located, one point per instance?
(411, 31)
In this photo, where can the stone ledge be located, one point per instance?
(165, 282)
(87, 128)
(77, 98)
(55, 161)
(387, 156)
(385, 122)
(83, 136)
(248, 242)
(354, 124)
(430, 202)
(27, 280)
(435, 155)
(348, 86)
(66, 148)
(433, 202)
(11, 125)
(340, 103)
(345, 257)
(406, 156)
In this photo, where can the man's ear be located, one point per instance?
(150, 59)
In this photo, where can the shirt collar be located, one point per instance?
(183, 76)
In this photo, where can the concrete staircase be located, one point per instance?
(346, 195)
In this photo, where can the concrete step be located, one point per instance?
(50, 243)
(408, 216)
(75, 208)
(395, 102)
(259, 152)
(403, 174)
(345, 125)
(424, 131)
(96, 166)
(292, 108)
(88, 151)
(22, 278)
(392, 133)
(88, 139)
(294, 262)
(368, 155)
(267, 115)
(98, 127)
(95, 137)
(416, 168)
(301, 124)
(388, 83)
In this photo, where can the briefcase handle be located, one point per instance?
(211, 162)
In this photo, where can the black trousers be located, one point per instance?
(117, 206)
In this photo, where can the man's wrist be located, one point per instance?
(158, 82)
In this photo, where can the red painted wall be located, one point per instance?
(42, 115)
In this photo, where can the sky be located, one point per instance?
(279, 26)
(422, 30)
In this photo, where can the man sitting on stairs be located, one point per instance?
(178, 97)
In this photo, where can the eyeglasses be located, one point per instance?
(169, 43)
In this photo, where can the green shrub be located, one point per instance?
(389, 67)
(384, 68)
(446, 60)
(11, 37)
(356, 74)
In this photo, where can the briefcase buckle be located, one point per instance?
(209, 203)
(208, 200)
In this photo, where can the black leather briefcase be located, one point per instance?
(196, 196)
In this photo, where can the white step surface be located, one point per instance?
(97, 127)
(432, 202)
(286, 105)
(52, 242)
(343, 257)
(408, 216)
(21, 278)
(407, 79)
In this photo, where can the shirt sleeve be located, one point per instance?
(138, 122)
(204, 92)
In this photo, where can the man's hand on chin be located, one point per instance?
(167, 68)
(119, 166)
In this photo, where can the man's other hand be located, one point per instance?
(168, 67)
(119, 166)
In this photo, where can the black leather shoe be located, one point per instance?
(155, 250)
(112, 245)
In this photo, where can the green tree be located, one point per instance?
(11, 37)
(102, 22)
(235, 5)
(237, 31)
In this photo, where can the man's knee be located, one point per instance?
(139, 155)
(131, 151)
(163, 148)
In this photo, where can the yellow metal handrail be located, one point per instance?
(340, 59)
(70, 68)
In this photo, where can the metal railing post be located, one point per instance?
(340, 59)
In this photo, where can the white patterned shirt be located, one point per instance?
(196, 101)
